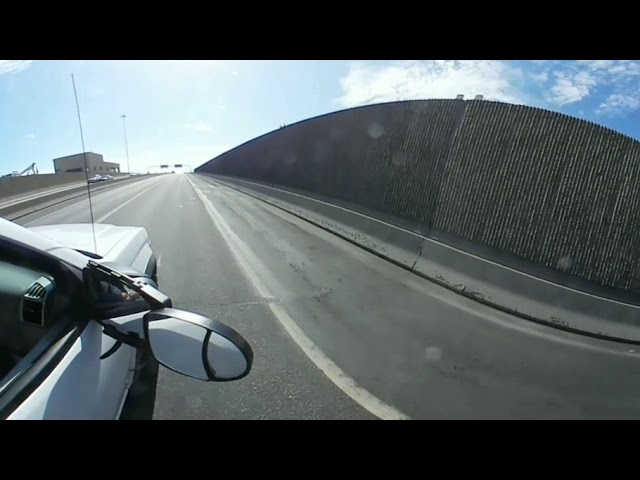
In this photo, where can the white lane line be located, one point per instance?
(52, 213)
(75, 204)
(345, 383)
(118, 208)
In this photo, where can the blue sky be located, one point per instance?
(190, 111)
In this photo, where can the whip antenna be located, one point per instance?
(86, 167)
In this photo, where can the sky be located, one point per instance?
(189, 111)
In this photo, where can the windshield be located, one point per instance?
(395, 239)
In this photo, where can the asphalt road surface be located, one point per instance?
(339, 333)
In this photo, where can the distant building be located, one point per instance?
(75, 163)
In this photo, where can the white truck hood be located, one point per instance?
(115, 244)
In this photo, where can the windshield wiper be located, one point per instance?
(154, 297)
(89, 254)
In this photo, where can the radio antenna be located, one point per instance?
(86, 167)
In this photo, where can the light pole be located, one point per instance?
(126, 144)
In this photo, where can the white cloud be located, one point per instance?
(13, 66)
(494, 80)
(598, 64)
(611, 69)
(625, 70)
(540, 77)
(618, 103)
(199, 127)
(614, 85)
(30, 136)
(570, 88)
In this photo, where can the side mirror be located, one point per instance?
(196, 346)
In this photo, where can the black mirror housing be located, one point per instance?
(197, 346)
(184, 342)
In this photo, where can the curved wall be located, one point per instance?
(545, 187)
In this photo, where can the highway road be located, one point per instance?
(339, 333)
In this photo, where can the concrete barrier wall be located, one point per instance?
(485, 281)
(14, 186)
(536, 185)
(46, 198)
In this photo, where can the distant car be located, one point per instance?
(82, 333)
(95, 179)
(107, 177)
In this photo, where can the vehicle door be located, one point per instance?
(62, 376)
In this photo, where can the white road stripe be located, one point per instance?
(84, 199)
(52, 213)
(118, 208)
(345, 383)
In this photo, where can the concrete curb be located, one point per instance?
(32, 205)
(495, 285)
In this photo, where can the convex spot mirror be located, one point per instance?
(197, 346)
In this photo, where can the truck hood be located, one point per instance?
(114, 244)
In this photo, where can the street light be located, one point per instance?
(126, 144)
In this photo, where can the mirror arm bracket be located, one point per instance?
(116, 346)
(131, 339)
